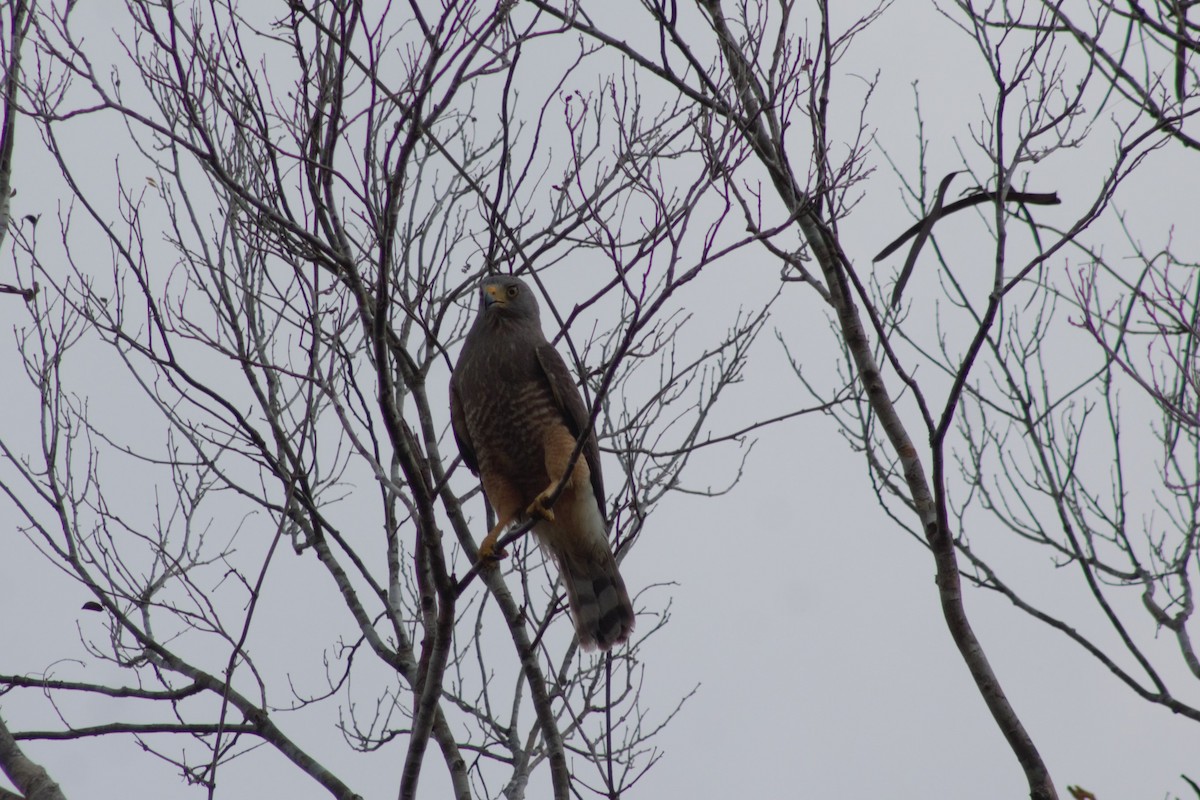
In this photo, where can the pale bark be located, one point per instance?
(28, 776)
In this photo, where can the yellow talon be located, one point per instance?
(539, 510)
(489, 553)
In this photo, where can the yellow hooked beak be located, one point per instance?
(493, 294)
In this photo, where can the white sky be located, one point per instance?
(809, 623)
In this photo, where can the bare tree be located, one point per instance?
(761, 80)
(1086, 487)
(1051, 449)
(960, 410)
(303, 204)
(28, 776)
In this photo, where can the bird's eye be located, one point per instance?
(512, 291)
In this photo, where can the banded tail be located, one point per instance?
(578, 540)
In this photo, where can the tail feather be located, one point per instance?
(599, 602)
(595, 590)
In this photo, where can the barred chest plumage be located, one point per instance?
(511, 408)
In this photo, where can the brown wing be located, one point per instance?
(575, 414)
(458, 423)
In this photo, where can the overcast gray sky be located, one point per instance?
(808, 622)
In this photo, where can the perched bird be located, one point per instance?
(517, 415)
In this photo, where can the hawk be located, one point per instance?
(517, 415)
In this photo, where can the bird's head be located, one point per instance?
(507, 297)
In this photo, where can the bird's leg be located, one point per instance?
(507, 504)
(560, 446)
(538, 508)
(487, 548)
